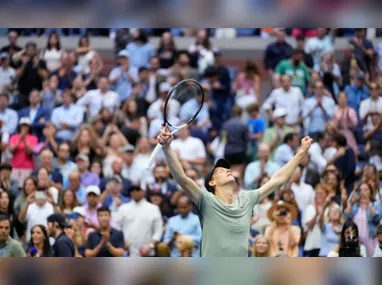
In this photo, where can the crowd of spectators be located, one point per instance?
(75, 141)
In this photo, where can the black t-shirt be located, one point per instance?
(63, 246)
(166, 57)
(11, 51)
(116, 239)
(30, 79)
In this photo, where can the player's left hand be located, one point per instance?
(306, 143)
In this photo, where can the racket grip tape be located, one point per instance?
(154, 154)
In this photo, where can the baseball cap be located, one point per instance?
(4, 55)
(82, 156)
(279, 112)
(93, 189)
(59, 219)
(164, 87)
(127, 148)
(25, 121)
(123, 53)
(5, 165)
(360, 75)
(217, 51)
(134, 188)
(116, 179)
(220, 163)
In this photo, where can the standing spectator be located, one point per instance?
(8, 246)
(86, 54)
(256, 125)
(141, 223)
(317, 110)
(8, 117)
(277, 51)
(114, 195)
(161, 183)
(236, 133)
(140, 50)
(12, 48)
(131, 119)
(256, 170)
(363, 48)
(330, 230)
(21, 146)
(52, 53)
(76, 186)
(166, 51)
(202, 51)
(371, 105)
(182, 69)
(317, 159)
(51, 94)
(65, 165)
(285, 152)
(39, 245)
(36, 113)
(106, 241)
(247, 85)
(346, 120)
(95, 71)
(93, 194)
(67, 117)
(63, 246)
(68, 202)
(309, 176)
(86, 142)
(332, 178)
(65, 72)
(78, 87)
(295, 68)
(94, 100)
(30, 72)
(308, 59)
(376, 133)
(87, 178)
(357, 91)
(349, 62)
(6, 208)
(330, 73)
(303, 192)
(224, 74)
(288, 98)
(6, 182)
(261, 247)
(7, 74)
(123, 76)
(316, 46)
(185, 223)
(143, 152)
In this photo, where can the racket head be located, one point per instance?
(183, 103)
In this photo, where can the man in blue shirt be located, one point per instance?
(357, 92)
(8, 117)
(185, 223)
(277, 51)
(112, 196)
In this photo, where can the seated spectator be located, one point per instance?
(39, 245)
(44, 183)
(113, 195)
(260, 220)
(52, 52)
(21, 146)
(316, 46)
(8, 117)
(51, 94)
(332, 177)
(363, 48)
(283, 237)
(285, 152)
(303, 192)
(330, 230)
(247, 85)
(349, 62)
(181, 69)
(7, 183)
(74, 184)
(295, 68)
(357, 91)
(257, 169)
(166, 50)
(65, 72)
(65, 165)
(86, 54)
(161, 184)
(140, 50)
(93, 203)
(366, 214)
(308, 59)
(273, 136)
(86, 142)
(46, 159)
(371, 105)
(375, 134)
(288, 98)
(68, 202)
(87, 178)
(261, 247)
(131, 118)
(7, 74)
(67, 117)
(317, 110)
(256, 126)
(330, 73)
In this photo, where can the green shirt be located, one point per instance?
(225, 227)
(271, 133)
(300, 75)
(12, 248)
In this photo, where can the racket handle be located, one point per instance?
(154, 155)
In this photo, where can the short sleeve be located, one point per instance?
(203, 201)
(13, 140)
(253, 197)
(90, 242)
(279, 68)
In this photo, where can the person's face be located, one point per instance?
(222, 176)
(374, 90)
(67, 98)
(46, 159)
(72, 58)
(64, 152)
(115, 142)
(321, 32)
(342, 100)
(184, 208)
(68, 198)
(37, 235)
(92, 199)
(184, 60)
(123, 60)
(65, 60)
(365, 191)
(132, 107)
(31, 51)
(137, 195)
(53, 39)
(75, 181)
(319, 89)
(104, 219)
(280, 121)
(5, 173)
(12, 38)
(156, 199)
(281, 219)
(24, 129)
(334, 215)
(261, 246)
(298, 57)
(285, 82)
(5, 229)
(320, 195)
(29, 186)
(287, 196)
(280, 36)
(184, 133)
(379, 238)
(96, 168)
(300, 44)
(296, 141)
(51, 229)
(263, 152)
(296, 176)
(4, 200)
(128, 157)
(82, 164)
(360, 34)
(116, 188)
(166, 38)
(144, 145)
(159, 172)
(305, 161)
(43, 178)
(103, 84)
(332, 180)
(143, 75)
(202, 35)
(3, 102)
(84, 42)
(34, 98)
(53, 82)
(375, 119)
(85, 137)
(359, 82)
(69, 232)
(348, 232)
(154, 63)
(117, 166)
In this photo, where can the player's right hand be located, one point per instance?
(165, 137)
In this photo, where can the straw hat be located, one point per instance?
(282, 205)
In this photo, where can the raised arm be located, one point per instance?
(191, 189)
(283, 174)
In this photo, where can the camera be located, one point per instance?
(283, 213)
(351, 248)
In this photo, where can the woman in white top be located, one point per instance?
(52, 53)
(85, 53)
(202, 51)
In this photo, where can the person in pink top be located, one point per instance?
(21, 146)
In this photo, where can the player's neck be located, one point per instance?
(225, 194)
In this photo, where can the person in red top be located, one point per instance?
(21, 146)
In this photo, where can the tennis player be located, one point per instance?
(225, 218)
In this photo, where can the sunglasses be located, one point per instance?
(373, 89)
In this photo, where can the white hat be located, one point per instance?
(80, 210)
(25, 121)
(123, 53)
(93, 189)
(164, 87)
(279, 112)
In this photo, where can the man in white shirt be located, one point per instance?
(95, 100)
(285, 152)
(289, 98)
(141, 223)
(7, 73)
(8, 117)
(317, 46)
(303, 193)
(371, 105)
(191, 150)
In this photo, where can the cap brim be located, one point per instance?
(285, 206)
(220, 163)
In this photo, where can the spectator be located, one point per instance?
(95, 72)
(30, 72)
(378, 248)
(330, 230)
(63, 245)
(130, 118)
(317, 110)
(8, 117)
(363, 48)
(330, 73)
(39, 245)
(6, 182)
(93, 194)
(318, 160)
(277, 51)
(68, 202)
(247, 85)
(12, 48)
(303, 192)
(285, 152)
(21, 146)
(273, 136)
(224, 74)
(357, 91)
(346, 120)
(86, 54)
(78, 87)
(113, 165)
(320, 44)
(52, 53)
(65, 72)
(256, 125)
(7, 74)
(94, 100)
(86, 142)
(51, 94)
(286, 195)
(29, 187)
(76, 187)
(236, 133)
(113, 195)
(295, 68)
(87, 178)
(161, 183)
(257, 169)
(154, 111)
(158, 199)
(142, 153)
(140, 49)
(332, 178)
(283, 237)
(166, 51)
(9, 246)
(105, 242)
(309, 175)
(36, 113)
(181, 69)
(366, 214)
(130, 169)
(6, 208)
(308, 59)
(202, 51)
(349, 62)
(141, 223)
(46, 158)
(288, 98)
(376, 132)
(185, 245)
(371, 105)
(65, 165)
(81, 231)
(261, 247)
(45, 184)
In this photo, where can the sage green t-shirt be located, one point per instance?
(225, 227)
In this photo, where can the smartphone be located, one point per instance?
(40, 195)
(283, 213)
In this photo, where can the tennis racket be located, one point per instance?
(183, 104)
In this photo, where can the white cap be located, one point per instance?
(80, 210)
(123, 53)
(279, 112)
(25, 121)
(164, 87)
(93, 189)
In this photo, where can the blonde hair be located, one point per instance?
(188, 242)
(268, 253)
